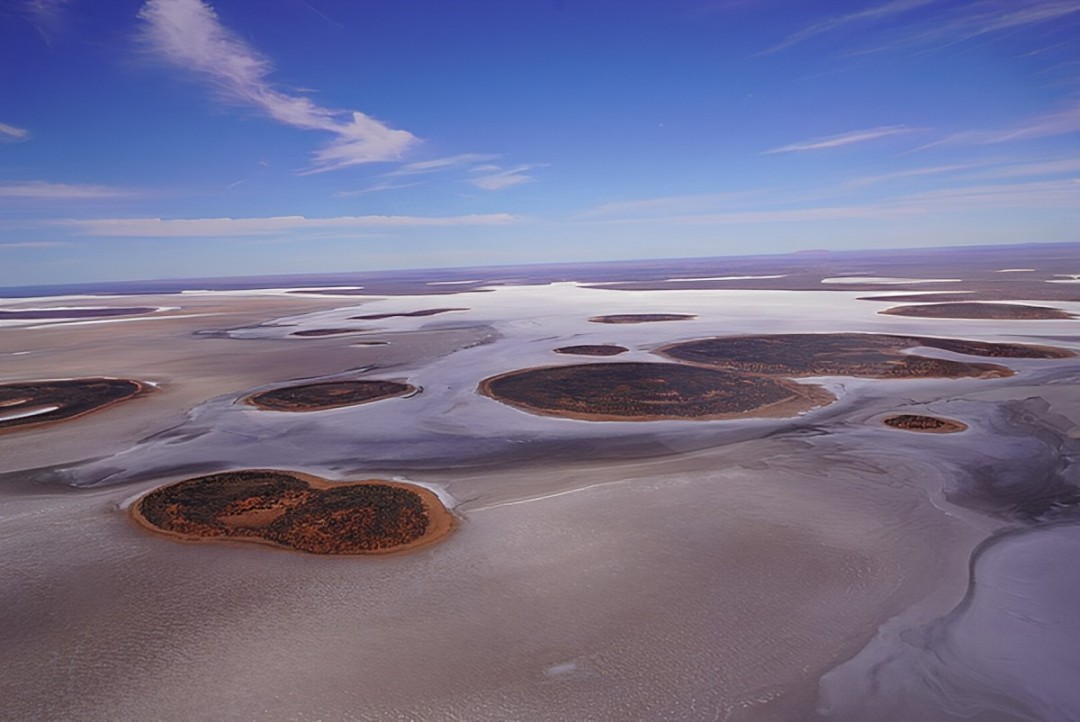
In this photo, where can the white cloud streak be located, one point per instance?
(1062, 194)
(10, 132)
(850, 138)
(494, 181)
(188, 34)
(223, 227)
(41, 190)
(439, 164)
(870, 14)
(1060, 122)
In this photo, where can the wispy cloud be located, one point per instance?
(1043, 168)
(188, 34)
(497, 178)
(213, 227)
(439, 164)
(10, 132)
(672, 204)
(877, 12)
(912, 173)
(850, 138)
(1046, 125)
(377, 188)
(41, 190)
(31, 244)
(1063, 193)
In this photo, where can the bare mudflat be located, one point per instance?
(61, 313)
(647, 392)
(592, 350)
(851, 354)
(642, 317)
(990, 311)
(327, 395)
(409, 314)
(296, 511)
(320, 332)
(926, 424)
(35, 403)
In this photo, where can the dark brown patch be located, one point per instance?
(297, 512)
(593, 350)
(642, 317)
(73, 397)
(997, 311)
(327, 395)
(928, 424)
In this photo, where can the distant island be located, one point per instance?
(979, 310)
(592, 350)
(648, 392)
(327, 395)
(36, 403)
(926, 424)
(296, 511)
(642, 317)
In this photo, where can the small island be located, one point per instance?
(409, 314)
(36, 403)
(642, 317)
(296, 511)
(72, 313)
(592, 350)
(648, 392)
(979, 310)
(321, 332)
(851, 354)
(327, 395)
(924, 424)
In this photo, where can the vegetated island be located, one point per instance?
(642, 317)
(409, 314)
(642, 391)
(592, 350)
(319, 332)
(851, 354)
(61, 313)
(327, 395)
(296, 511)
(36, 403)
(926, 424)
(996, 311)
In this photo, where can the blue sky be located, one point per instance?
(176, 138)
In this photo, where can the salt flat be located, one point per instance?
(738, 569)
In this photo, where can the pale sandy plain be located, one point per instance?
(815, 567)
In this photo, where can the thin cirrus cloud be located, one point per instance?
(213, 227)
(1061, 122)
(495, 178)
(877, 12)
(1061, 193)
(440, 164)
(10, 132)
(44, 191)
(188, 34)
(842, 139)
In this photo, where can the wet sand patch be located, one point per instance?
(637, 391)
(296, 511)
(327, 395)
(642, 317)
(989, 311)
(925, 424)
(592, 350)
(36, 403)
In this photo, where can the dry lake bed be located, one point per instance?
(742, 537)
